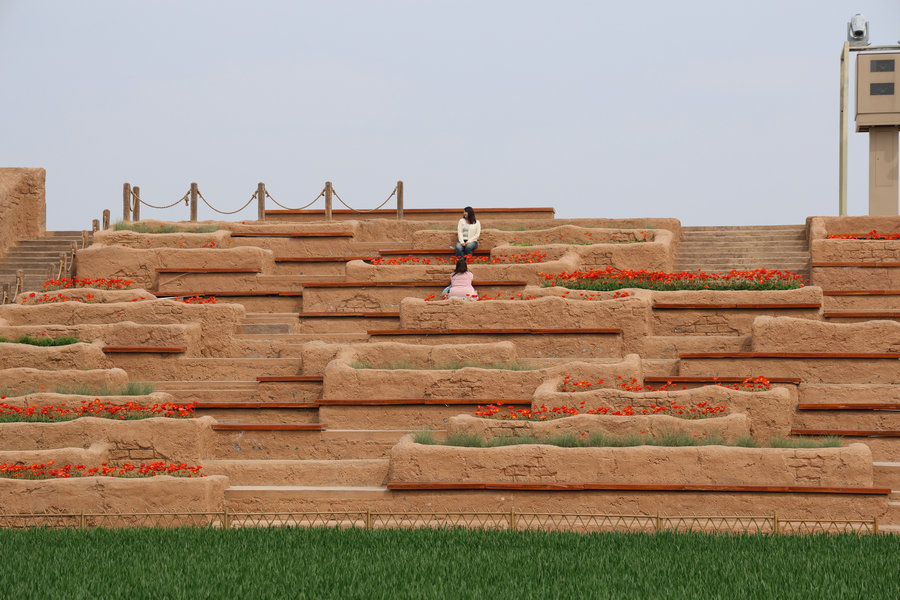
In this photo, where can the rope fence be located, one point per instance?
(509, 520)
(132, 202)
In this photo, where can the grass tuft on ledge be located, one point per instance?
(141, 227)
(48, 341)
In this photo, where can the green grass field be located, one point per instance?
(333, 563)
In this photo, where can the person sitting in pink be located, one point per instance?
(461, 282)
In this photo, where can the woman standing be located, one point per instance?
(467, 232)
(461, 282)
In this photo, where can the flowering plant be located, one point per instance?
(750, 384)
(196, 299)
(93, 408)
(49, 471)
(611, 278)
(872, 235)
(543, 413)
(77, 282)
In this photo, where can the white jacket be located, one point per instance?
(474, 231)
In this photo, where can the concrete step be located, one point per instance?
(328, 445)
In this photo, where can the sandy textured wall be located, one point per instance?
(23, 380)
(784, 334)
(720, 465)
(823, 249)
(135, 441)
(22, 205)
(114, 495)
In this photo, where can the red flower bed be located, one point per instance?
(543, 413)
(196, 299)
(93, 408)
(49, 471)
(872, 235)
(750, 384)
(33, 298)
(612, 279)
(77, 282)
(500, 259)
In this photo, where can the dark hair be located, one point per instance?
(461, 266)
(470, 215)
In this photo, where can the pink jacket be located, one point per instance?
(461, 285)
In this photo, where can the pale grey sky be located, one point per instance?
(711, 112)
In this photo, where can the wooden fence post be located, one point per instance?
(328, 193)
(105, 218)
(20, 281)
(136, 211)
(126, 202)
(399, 200)
(85, 238)
(95, 225)
(261, 201)
(194, 193)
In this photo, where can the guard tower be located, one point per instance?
(878, 113)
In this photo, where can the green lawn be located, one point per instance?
(331, 563)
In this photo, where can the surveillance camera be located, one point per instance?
(858, 31)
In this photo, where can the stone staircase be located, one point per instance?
(36, 258)
(781, 247)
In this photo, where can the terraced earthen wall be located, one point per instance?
(22, 205)
(786, 334)
(849, 466)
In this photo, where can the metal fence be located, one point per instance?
(508, 520)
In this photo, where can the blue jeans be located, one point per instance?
(468, 249)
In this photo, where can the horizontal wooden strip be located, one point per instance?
(432, 284)
(294, 234)
(347, 315)
(224, 294)
(209, 270)
(847, 432)
(411, 211)
(144, 349)
(254, 405)
(834, 314)
(485, 331)
(867, 355)
(704, 379)
(269, 426)
(289, 378)
(874, 265)
(423, 402)
(754, 306)
(319, 259)
(861, 292)
(635, 487)
(421, 251)
(850, 406)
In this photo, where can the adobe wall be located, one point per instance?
(823, 249)
(656, 254)
(770, 412)
(631, 315)
(344, 381)
(74, 356)
(140, 264)
(218, 322)
(24, 380)
(358, 270)
(22, 205)
(849, 466)
(118, 334)
(718, 322)
(784, 334)
(46, 398)
(162, 493)
(729, 428)
(94, 455)
(128, 441)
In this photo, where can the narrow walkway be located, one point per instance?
(782, 247)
